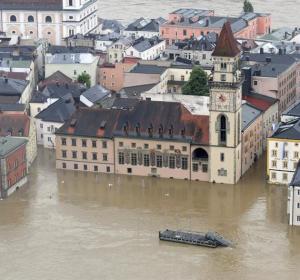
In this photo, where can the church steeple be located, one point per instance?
(225, 110)
(226, 45)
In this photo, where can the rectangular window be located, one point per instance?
(121, 158)
(184, 148)
(94, 144)
(63, 141)
(95, 168)
(104, 157)
(83, 143)
(146, 146)
(285, 164)
(204, 168)
(172, 162)
(184, 163)
(75, 166)
(298, 205)
(284, 176)
(296, 154)
(222, 157)
(286, 154)
(73, 142)
(133, 145)
(159, 161)
(74, 154)
(133, 159)
(104, 144)
(94, 156)
(85, 168)
(298, 218)
(64, 154)
(121, 144)
(84, 155)
(223, 77)
(108, 169)
(146, 160)
(172, 148)
(274, 153)
(158, 147)
(64, 165)
(274, 163)
(273, 175)
(195, 167)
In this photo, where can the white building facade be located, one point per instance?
(48, 19)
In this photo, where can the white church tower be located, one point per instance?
(225, 111)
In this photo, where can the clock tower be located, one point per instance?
(225, 110)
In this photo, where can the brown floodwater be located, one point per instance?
(67, 225)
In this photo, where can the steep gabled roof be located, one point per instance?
(226, 45)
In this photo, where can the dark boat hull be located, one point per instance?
(211, 240)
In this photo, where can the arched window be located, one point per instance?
(48, 19)
(223, 130)
(30, 19)
(13, 18)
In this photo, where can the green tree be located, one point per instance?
(248, 8)
(84, 79)
(197, 84)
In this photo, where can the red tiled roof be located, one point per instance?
(226, 44)
(259, 102)
(14, 75)
(14, 124)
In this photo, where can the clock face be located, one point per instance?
(222, 98)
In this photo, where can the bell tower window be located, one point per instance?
(223, 130)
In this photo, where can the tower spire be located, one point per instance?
(226, 44)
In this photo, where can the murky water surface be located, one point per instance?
(70, 226)
(285, 13)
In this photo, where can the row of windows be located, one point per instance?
(83, 143)
(16, 178)
(13, 18)
(158, 146)
(84, 155)
(85, 167)
(284, 164)
(285, 154)
(158, 161)
(284, 176)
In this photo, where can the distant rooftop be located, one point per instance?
(148, 69)
(46, 5)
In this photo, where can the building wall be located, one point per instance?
(138, 34)
(74, 70)
(149, 54)
(282, 158)
(46, 133)
(13, 170)
(137, 79)
(155, 149)
(104, 166)
(294, 205)
(71, 20)
(282, 87)
(112, 77)
(252, 143)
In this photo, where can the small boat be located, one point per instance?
(209, 239)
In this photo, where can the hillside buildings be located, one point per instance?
(188, 23)
(48, 19)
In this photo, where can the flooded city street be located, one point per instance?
(68, 225)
